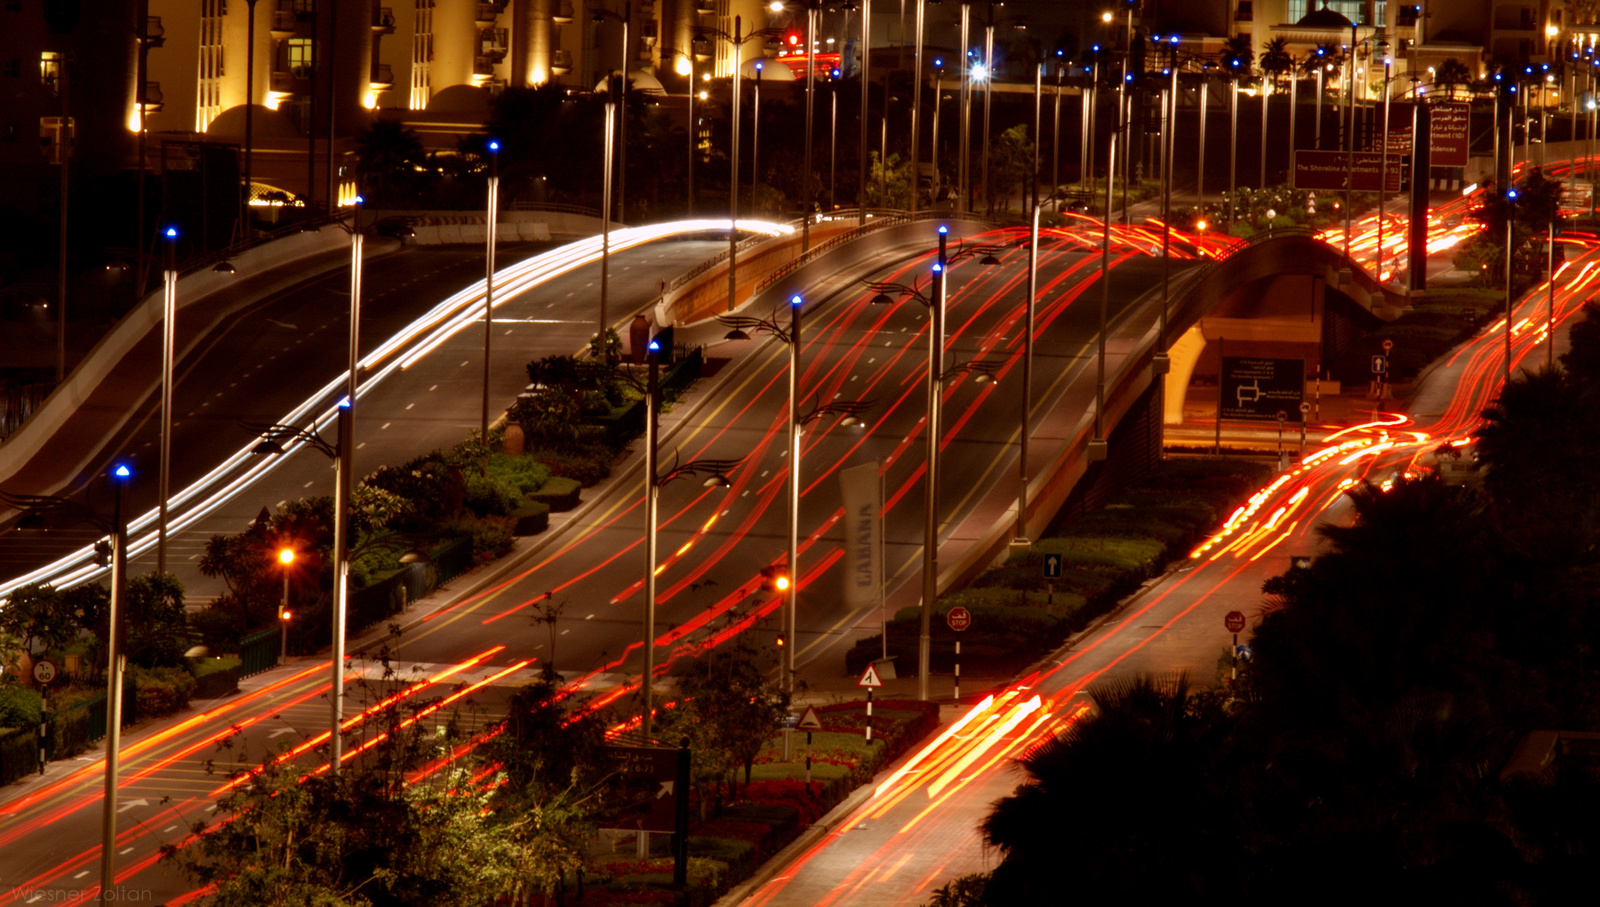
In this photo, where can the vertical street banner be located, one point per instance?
(1256, 390)
(863, 533)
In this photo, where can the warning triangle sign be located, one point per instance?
(809, 721)
(869, 678)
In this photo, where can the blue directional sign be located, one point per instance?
(1052, 566)
(1380, 365)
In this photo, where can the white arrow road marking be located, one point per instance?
(281, 731)
(131, 804)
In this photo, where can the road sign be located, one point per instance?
(1234, 621)
(809, 721)
(958, 618)
(869, 678)
(1305, 408)
(1380, 365)
(1052, 566)
(44, 671)
(1283, 416)
(1388, 345)
(1257, 389)
(1447, 133)
(644, 789)
(1326, 170)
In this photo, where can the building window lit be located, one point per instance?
(302, 57)
(50, 71)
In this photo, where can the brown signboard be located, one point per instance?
(1260, 389)
(1447, 133)
(1326, 170)
(645, 788)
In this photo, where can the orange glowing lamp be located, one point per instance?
(286, 556)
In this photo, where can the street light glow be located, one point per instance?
(121, 471)
(980, 72)
(1105, 17)
(286, 556)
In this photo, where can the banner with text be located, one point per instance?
(862, 491)
(1259, 389)
(1447, 133)
(1326, 170)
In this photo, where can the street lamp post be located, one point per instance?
(739, 328)
(964, 148)
(715, 472)
(988, 99)
(36, 507)
(602, 351)
(1383, 150)
(866, 87)
(169, 316)
(492, 214)
(621, 96)
(1511, 209)
(916, 113)
(755, 142)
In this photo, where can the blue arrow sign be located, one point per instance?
(1380, 365)
(1052, 566)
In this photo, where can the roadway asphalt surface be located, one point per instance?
(712, 541)
(284, 347)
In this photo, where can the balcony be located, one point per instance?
(705, 7)
(287, 83)
(561, 62)
(154, 35)
(383, 21)
(285, 21)
(562, 14)
(153, 98)
(487, 15)
(382, 77)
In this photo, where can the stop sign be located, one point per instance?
(959, 619)
(1234, 621)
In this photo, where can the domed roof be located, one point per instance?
(265, 124)
(1323, 18)
(461, 99)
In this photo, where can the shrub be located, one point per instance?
(588, 463)
(19, 753)
(560, 493)
(19, 707)
(532, 518)
(527, 473)
(491, 535)
(215, 677)
(162, 691)
(491, 494)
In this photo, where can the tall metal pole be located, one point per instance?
(1055, 140)
(1038, 114)
(652, 491)
(988, 97)
(1200, 179)
(1316, 136)
(169, 317)
(1550, 323)
(1021, 535)
(1262, 182)
(694, 131)
(622, 117)
(965, 139)
(1383, 163)
(930, 525)
(791, 605)
(833, 149)
(492, 215)
(809, 193)
(1233, 147)
(755, 142)
(733, 178)
(1105, 298)
(116, 663)
(916, 113)
(343, 477)
(866, 83)
(1511, 195)
(602, 354)
(64, 148)
(933, 151)
(249, 108)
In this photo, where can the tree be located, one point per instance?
(243, 562)
(1450, 75)
(1012, 164)
(38, 613)
(157, 624)
(1275, 58)
(1237, 55)
(727, 708)
(1120, 803)
(390, 162)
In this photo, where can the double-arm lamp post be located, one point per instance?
(36, 508)
(714, 474)
(937, 374)
(850, 412)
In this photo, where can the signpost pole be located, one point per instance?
(869, 714)
(1216, 446)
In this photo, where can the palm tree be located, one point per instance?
(1120, 803)
(1275, 58)
(1450, 75)
(1237, 55)
(388, 159)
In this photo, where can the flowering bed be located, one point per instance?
(769, 812)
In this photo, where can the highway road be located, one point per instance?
(593, 561)
(918, 827)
